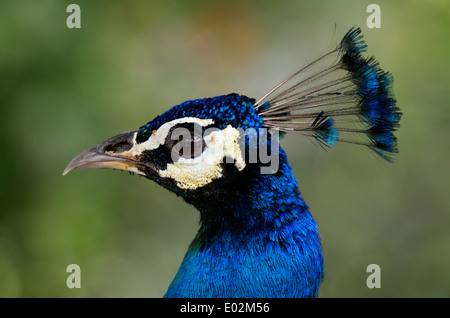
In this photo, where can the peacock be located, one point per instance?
(256, 236)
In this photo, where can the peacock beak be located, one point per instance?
(113, 153)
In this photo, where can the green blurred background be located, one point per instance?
(63, 90)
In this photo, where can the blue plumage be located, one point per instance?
(261, 241)
(256, 236)
(378, 107)
(231, 109)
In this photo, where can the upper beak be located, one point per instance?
(112, 154)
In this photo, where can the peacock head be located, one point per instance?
(205, 145)
(191, 146)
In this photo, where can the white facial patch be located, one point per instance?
(192, 173)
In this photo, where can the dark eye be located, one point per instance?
(185, 141)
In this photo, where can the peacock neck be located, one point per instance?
(250, 205)
(258, 238)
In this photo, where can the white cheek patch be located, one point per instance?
(202, 170)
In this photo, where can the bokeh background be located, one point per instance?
(63, 90)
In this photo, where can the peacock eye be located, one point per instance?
(185, 141)
(196, 138)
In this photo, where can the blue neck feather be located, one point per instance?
(261, 242)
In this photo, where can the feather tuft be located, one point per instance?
(340, 97)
